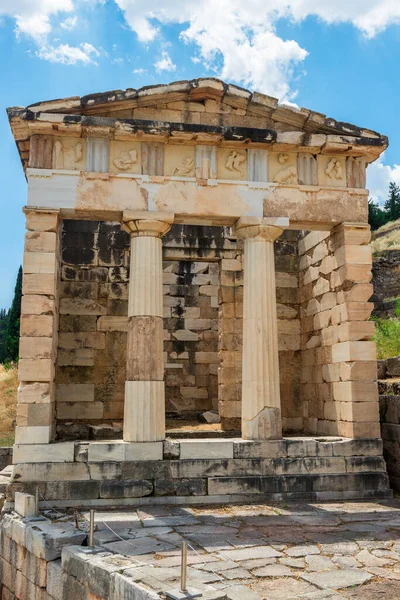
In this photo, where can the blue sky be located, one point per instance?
(337, 57)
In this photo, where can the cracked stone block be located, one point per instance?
(338, 579)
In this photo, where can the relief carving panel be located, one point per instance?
(68, 154)
(331, 171)
(232, 164)
(283, 168)
(125, 157)
(179, 161)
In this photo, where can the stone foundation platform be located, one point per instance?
(105, 474)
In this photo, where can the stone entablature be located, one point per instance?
(186, 148)
(191, 160)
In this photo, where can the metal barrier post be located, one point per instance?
(184, 567)
(91, 531)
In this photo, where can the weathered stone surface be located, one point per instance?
(338, 579)
(25, 504)
(125, 489)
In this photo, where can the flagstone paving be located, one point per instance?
(281, 552)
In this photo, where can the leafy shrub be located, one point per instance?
(387, 337)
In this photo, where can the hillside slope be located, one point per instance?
(386, 269)
(8, 401)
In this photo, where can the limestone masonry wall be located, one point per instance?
(203, 303)
(41, 560)
(389, 405)
(386, 280)
(339, 389)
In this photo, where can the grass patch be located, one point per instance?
(387, 337)
(389, 241)
(8, 401)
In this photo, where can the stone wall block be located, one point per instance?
(37, 325)
(33, 435)
(40, 262)
(36, 347)
(41, 241)
(353, 255)
(354, 351)
(80, 410)
(43, 284)
(34, 415)
(358, 371)
(350, 234)
(35, 369)
(37, 305)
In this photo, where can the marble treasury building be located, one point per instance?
(195, 247)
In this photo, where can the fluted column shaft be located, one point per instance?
(144, 416)
(261, 405)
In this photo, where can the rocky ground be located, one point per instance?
(281, 552)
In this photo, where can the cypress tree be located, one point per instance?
(3, 330)
(12, 333)
(392, 204)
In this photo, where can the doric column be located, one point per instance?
(144, 416)
(261, 406)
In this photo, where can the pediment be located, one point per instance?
(205, 108)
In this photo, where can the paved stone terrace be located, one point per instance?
(288, 552)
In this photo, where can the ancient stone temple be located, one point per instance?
(195, 247)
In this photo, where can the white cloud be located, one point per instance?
(69, 55)
(69, 23)
(238, 40)
(33, 17)
(165, 63)
(379, 176)
(139, 71)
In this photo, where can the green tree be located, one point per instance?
(3, 330)
(392, 204)
(376, 215)
(12, 333)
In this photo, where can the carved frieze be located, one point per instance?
(125, 157)
(231, 164)
(284, 168)
(101, 155)
(334, 170)
(179, 161)
(68, 154)
(331, 171)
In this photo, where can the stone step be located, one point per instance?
(195, 435)
(209, 490)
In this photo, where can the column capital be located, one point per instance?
(146, 223)
(260, 228)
